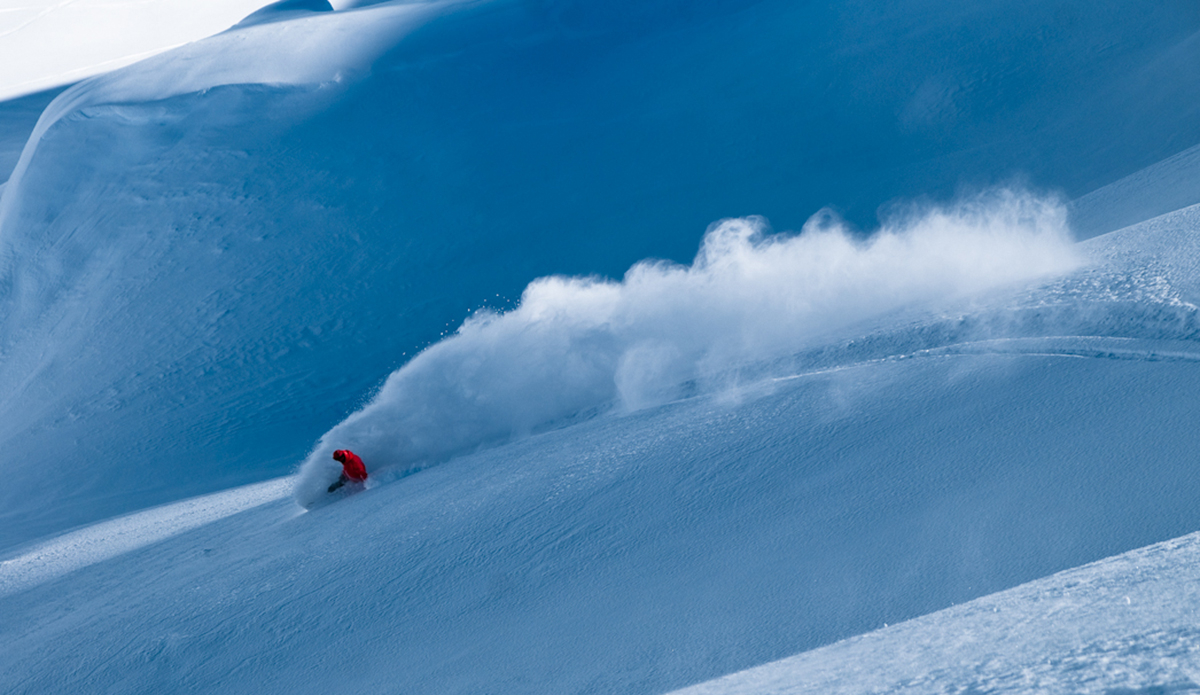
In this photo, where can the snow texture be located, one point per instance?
(658, 548)
(1121, 626)
(212, 257)
(99, 542)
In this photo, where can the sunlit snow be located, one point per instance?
(106, 540)
(49, 43)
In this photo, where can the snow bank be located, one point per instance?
(579, 343)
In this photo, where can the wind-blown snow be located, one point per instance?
(576, 343)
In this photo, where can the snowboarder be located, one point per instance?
(352, 468)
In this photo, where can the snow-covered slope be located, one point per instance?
(149, 300)
(211, 261)
(1169, 185)
(1123, 625)
(651, 550)
(209, 258)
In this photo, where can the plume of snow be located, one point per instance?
(579, 343)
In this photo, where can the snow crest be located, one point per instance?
(577, 344)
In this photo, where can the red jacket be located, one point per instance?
(352, 465)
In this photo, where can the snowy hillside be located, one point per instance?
(654, 549)
(610, 451)
(1122, 625)
(236, 241)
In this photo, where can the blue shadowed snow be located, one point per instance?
(212, 261)
(271, 221)
(656, 550)
(672, 544)
(1121, 626)
(17, 119)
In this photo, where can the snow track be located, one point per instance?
(1094, 347)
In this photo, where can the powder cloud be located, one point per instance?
(580, 344)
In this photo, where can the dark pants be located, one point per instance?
(342, 480)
